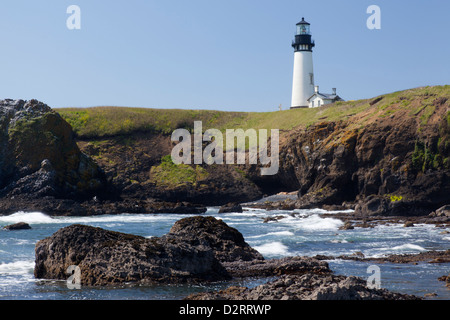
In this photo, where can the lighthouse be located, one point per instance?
(303, 81)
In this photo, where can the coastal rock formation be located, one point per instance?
(441, 212)
(43, 169)
(196, 250)
(18, 226)
(191, 252)
(230, 207)
(395, 164)
(306, 287)
(277, 267)
(389, 155)
(40, 158)
(226, 242)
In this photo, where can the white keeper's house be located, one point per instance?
(319, 99)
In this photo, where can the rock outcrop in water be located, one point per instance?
(196, 250)
(191, 252)
(17, 226)
(305, 287)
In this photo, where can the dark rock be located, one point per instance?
(390, 166)
(427, 256)
(231, 207)
(191, 252)
(306, 287)
(18, 226)
(227, 243)
(276, 267)
(441, 212)
(273, 219)
(107, 257)
(40, 157)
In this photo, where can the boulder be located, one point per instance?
(441, 212)
(231, 207)
(347, 226)
(191, 252)
(18, 226)
(227, 243)
(107, 257)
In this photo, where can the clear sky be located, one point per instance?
(232, 55)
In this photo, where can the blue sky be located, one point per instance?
(232, 55)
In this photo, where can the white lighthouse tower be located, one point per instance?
(303, 82)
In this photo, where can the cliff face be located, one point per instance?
(391, 159)
(389, 155)
(140, 166)
(39, 158)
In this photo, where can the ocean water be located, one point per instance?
(306, 234)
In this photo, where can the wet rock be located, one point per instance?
(427, 256)
(408, 224)
(446, 279)
(347, 226)
(306, 287)
(276, 267)
(18, 226)
(227, 243)
(441, 212)
(231, 207)
(193, 251)
(273, 219)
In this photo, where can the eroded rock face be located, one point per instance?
(389, 166)
(39, 156)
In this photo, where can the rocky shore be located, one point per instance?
(379, 163)
(305, 287)
(196, 250)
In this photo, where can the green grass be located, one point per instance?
(100, 122)
(170, 175)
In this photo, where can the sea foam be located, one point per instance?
(27, 217)
(272, 249)
(409, 247)
(314, 223)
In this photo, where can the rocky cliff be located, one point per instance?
(393, 158)
(40, 160)
(388, 155)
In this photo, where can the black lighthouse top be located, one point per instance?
(303, 40)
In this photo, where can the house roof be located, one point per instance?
(325, 96)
